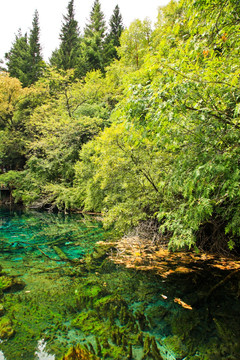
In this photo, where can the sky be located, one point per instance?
(15, 14)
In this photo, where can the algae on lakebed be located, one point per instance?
(110, 311)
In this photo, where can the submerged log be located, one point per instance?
(60, 253)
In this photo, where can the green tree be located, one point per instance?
(12, 125)
(35, 50)
(93, 46)
(24, 60)
(97, 22)
(113, 37)
(66, 57)
(135, 42)
(18, 59)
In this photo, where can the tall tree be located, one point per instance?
(135, 41)
(113, 38)
(35, 49)
(116, 26)
(97, 21)
(94, 39)
(18, 59)
(66, 57)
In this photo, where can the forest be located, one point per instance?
(140, 124)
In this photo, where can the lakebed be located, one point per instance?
(68, 290)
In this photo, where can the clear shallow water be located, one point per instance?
(114, 312)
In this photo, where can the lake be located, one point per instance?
(61, 292)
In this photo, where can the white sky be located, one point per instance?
(15, 14)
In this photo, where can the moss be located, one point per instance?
(140, 338)
(79, 353)
(6, 329)
(155, 314)
(223, 330)
(104, 302)
(184, 323)
(112, 304)
(99, 348)
(130, 353)
(89, 323)
(6, 282)
(155, 351)
(174, 344)
(147, 345)
(142, 321)
(115, 352)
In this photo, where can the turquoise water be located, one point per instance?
(60, 289)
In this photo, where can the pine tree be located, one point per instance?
(66, 57)
(35, 49)
(113, 38)
(116, 26)
(18, 59)
(93, 46)
(97, 23)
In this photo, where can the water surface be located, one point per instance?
(65, 291)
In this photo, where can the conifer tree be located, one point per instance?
(113, 38)
(93, 46)
(66, 57)
(116, 26)
(35, 49)
(97, 21)
(18, 59)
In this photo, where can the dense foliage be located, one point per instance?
(24, 60)
(155, 135)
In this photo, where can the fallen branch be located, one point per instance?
(57, 250)
(222, 282)
(66, 259)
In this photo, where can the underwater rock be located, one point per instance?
(6, 330)
(6, 282)
(9, 283)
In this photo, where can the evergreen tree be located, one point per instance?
(35, 49)
(66, 57)
(93, 46)
(97, 22)
(113, 38)
(116, 26)
(18, 59)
